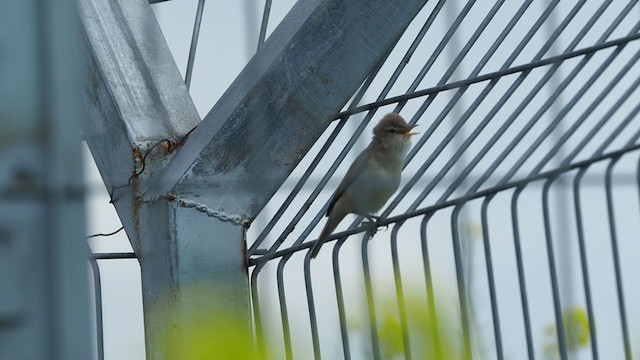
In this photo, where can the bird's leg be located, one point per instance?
(372, 218)
(375, 220)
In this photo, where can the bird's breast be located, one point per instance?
(374, 187)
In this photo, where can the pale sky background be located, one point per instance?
(227, 40)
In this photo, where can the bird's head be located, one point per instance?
(393, 126)
(393, 134)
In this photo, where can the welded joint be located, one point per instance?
(217, 214)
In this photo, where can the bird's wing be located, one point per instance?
(352, 174)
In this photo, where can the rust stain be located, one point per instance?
(326, 80)
(138, 159)
(137, 203)
(167, 146)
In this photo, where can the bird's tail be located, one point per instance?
(332, 222)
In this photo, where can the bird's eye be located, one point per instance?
(393, 130)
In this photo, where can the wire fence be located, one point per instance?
(512, 147)
(519, 201)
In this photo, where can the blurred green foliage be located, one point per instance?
(213, 336)
(432, 337)
(207, 331)
(576, 330)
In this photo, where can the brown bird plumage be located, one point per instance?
(372, 178)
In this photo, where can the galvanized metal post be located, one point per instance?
(44, 305)
(140, 109)
(186, 214)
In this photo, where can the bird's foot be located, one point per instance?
(375, 220)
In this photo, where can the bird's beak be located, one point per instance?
(409, 132)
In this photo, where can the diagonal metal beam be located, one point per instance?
(136, 98)
(283, 100)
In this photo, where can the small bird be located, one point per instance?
(372, 178)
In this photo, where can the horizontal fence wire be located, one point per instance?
(530, 121)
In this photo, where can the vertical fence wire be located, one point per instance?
(616, 259)
(264, 23)
(194, 43)
(97, 294)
